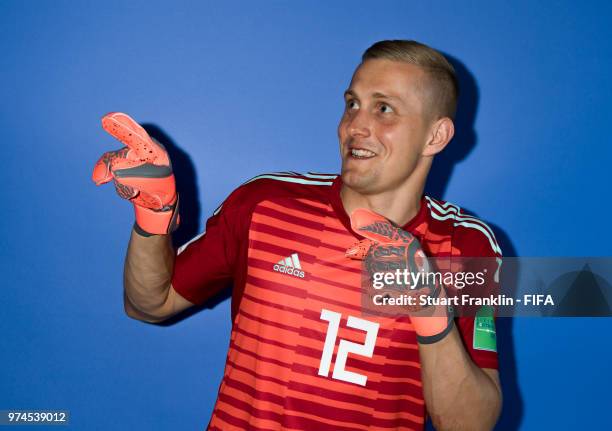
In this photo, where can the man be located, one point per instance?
(301, 354)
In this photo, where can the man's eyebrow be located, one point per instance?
(385, 96)
(376, 95)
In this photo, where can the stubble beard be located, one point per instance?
(364, 182)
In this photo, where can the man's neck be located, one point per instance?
(399, 205)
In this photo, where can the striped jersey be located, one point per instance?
(302, 356)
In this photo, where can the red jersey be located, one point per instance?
(301, 355)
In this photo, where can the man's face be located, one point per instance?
(383, 130)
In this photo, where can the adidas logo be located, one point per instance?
(290, 265)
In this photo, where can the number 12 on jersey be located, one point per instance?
(345, 347)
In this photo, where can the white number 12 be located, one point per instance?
(345, 347)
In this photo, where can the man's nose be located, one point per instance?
(360, 124)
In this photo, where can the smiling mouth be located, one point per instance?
(360, 153)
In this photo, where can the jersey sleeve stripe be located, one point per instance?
(492, 241)
(459, 214)
(291, 180)
(184, 246)
(463, 220)
(321, 176)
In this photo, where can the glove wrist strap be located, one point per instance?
(437, 321)
(150, 222)
(435, 338)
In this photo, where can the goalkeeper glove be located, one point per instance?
(142, 173)
(388, 248)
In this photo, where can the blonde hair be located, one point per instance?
(441, 90)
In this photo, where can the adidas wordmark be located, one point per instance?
(290, 265)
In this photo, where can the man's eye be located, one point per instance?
(385, 109)
(351, 104)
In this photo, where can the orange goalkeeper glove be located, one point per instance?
(388, 248)
(142, 173)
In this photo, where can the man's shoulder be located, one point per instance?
(275, 185)
(468, 231)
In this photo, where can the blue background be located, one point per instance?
(238, 89)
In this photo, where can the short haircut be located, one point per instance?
(442, 88)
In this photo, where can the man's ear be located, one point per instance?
(440, 134)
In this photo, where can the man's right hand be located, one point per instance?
(142, 173)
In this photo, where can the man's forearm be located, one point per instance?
(458, 394)
(147, 275)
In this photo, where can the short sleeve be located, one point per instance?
(479, 332)
(206, 265)
(485, 356)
